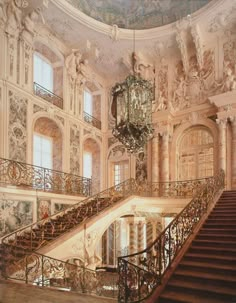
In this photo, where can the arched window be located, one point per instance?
(195, 154)
(43, 72)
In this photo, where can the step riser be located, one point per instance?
(210, 261)
(218, 231)
(214, 244)
(178, 277)
(230, 272)
(216, 237)
(210, 252)
(179, 290)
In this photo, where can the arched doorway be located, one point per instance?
(195, 155)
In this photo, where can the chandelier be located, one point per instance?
(132, 104)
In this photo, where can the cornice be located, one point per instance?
(126, 34)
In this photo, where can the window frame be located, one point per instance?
(50, 139)
(43, 58)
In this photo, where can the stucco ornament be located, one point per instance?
(14, 15)
(114, 35)
(29, 23)
(229, 78)
(76, 68)
(3, 13)
(142, 68)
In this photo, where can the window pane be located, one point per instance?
(43, 72)
(42, 151)
(88, 100)
(87, 159)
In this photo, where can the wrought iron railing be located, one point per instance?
(41, 270)
(40, 178)
(92, 120)
(47, 95)
(21, 262)
(140, 273)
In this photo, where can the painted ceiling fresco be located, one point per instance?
(138, 14)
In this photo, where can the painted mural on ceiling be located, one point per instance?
(138, 14)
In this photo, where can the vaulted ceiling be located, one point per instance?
(138, 14)
(108, 48)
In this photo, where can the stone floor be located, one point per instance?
(20, 293)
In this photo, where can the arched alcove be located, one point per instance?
(92, 163)
(47, 129)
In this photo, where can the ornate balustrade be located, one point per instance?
(142, 272)
(40, 178)
(47, 95)
(91, 120)
(175, 189)
(41, 270)
(19, 247)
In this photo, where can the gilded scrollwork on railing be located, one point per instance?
(40, 178)
(41, 270)
(141, 272)
(47, 95)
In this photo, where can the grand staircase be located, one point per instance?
(207, 271)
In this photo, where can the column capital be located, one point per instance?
(232, 119)
(222, 122)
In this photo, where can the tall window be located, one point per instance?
(196, 154)
(88, 102)
(43, 72)
(88, 165)
(42, 151)
(120, 171)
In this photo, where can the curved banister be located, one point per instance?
(140, 273)
(26, 240)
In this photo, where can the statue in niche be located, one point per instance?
(29, 25)
(14, 15)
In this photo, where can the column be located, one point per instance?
(165, 158)
(222, 143)
(149, 237)
(132, 236)
(233, 152)
(155, 159)
(141, 244)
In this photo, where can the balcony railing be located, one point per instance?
(91, 120)
(47, 95)
(40, 178)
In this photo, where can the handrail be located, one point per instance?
(37, 269)
(140, 273)
(19, 246)
(92, 205)
(47, 95)
(39, 178)
(92, 120)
